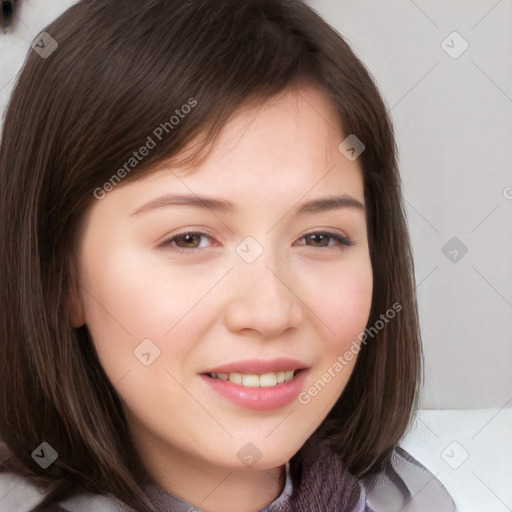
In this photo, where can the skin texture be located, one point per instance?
(208, 307)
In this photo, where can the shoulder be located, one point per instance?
(405, 484)
(16, 494)
(19, 495)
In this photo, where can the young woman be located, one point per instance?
(207, 288)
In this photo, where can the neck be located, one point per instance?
(208, 487)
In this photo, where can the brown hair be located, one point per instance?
(119, 71)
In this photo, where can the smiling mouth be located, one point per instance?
(262, 386)
(253, 380)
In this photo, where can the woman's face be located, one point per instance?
(240, 269)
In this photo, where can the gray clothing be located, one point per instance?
(404, 485)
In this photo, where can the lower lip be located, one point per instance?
(260, 398)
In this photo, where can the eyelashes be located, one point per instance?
(192, 241)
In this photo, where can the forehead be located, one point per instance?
(266, 162)
(289, 143)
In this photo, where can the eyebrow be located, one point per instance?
(220, 205)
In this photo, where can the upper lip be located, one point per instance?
(259, 366)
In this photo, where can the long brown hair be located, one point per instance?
(120, 70)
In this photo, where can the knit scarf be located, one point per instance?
(324, 485)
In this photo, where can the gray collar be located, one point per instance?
(171, 503)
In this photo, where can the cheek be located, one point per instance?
(131, 298)
(343, 307)
(342, 297)
(134, 293)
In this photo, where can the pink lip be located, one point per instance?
(261, 398)
(258, 366)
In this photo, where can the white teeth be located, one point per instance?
(235, 378)
(267, 380)
(250, 380)
(288, 375)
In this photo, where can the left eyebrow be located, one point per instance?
(313, 206)
(330, 203)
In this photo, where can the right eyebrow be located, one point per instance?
(210, 203)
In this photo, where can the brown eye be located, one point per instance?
(323, 239)
(188, 241)
(318, 239)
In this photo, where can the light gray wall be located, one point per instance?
(453, 121)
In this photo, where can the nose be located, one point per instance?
(262, 300)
